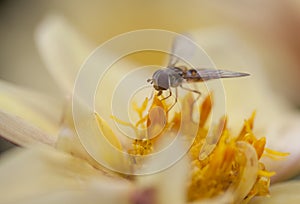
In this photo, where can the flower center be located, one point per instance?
(233, 166)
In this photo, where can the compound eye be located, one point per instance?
(161, 80)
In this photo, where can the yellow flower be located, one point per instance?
(233, 167)
(61, 170)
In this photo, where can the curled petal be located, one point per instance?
(249, 175)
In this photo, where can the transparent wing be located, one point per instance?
(197, 75)
(183, 48)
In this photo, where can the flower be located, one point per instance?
(63, 171)
(234, 164)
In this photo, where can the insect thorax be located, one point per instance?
(175, 76)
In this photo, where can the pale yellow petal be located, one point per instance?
(287, 192)
(285, 139)
(92, 135)
(22, 133)
(105, 192)
(32, 175)
(169, 184)
(223, 199)
(63, 49)
(38, 109)
(69, 142)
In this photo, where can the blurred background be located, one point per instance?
(270, 27)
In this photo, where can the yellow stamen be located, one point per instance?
(225, 168)
(276, 153)
(266, 173)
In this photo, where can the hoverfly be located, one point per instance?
(174, 76)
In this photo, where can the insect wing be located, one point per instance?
(183, 48)
(197, 75)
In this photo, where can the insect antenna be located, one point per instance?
(150, 81)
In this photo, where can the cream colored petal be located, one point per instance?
(33, 175)
(63, 50)
(169, 184)
(106, 193)
(69, 142)
(90, 137)
(275, 118)
(21, 132)
(173, 183)
(223, 199)
(285, 139)
(38, 109)
(287, 192)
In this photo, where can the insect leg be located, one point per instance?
(151, 96)
(159, 93)
(192, 90)
(170, 91)
(176, 97)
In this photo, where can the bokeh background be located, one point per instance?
(270, 27)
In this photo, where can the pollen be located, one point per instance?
(234, 164)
